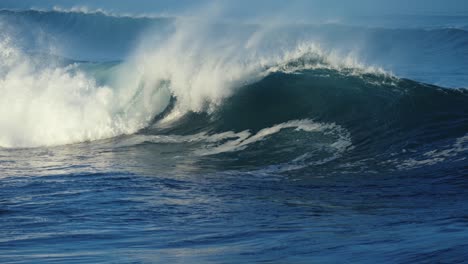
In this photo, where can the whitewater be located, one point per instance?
(141, 139)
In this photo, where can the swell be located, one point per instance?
(82, 36)
(361, 123)
(100, 35)
(60, 21)
(410, 22)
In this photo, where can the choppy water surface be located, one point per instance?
(286, 145)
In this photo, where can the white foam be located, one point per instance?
(245, 138)
(205, 66)
(82, 9)
(437, 156)
(229, 142)
(43, 105)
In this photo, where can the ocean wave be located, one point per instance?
(46, 103)
(80, 102)
(85, 10)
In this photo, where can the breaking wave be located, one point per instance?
(221, 92)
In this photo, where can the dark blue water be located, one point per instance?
(316, 161)
(79, 204)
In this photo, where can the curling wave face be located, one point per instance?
(229, 95)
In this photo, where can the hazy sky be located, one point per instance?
(253, 8)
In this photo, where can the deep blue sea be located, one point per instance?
(128, 139)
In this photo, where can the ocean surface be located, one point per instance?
(133, 139)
